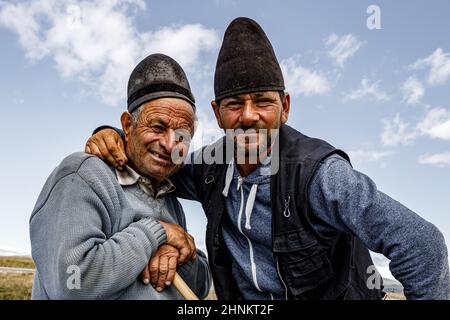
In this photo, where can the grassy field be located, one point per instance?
(17, 262)
(16, 286)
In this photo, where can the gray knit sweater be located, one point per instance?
(85, 224)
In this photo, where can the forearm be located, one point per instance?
(350, 202)
(113, 265)
(415, 247)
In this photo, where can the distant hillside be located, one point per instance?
(17, 262)
(11, 253)
(392, 286)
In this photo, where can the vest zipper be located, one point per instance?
(286, 211)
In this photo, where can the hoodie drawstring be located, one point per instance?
(249, 206)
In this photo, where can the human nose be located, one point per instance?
(168, 140)
(249, 116)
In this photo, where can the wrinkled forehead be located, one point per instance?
(171, 112)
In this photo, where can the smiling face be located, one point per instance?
(159, 132)
(248, 113)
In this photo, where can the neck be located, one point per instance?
(155, 182)
(246, 168)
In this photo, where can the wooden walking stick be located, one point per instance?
(183, 288)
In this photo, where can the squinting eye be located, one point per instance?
(233, 106)
(263, 103)
(158, 129)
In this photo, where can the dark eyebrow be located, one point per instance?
(232, 100)
(264, 99)
(258, 95)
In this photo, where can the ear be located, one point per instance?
(216, 109)
(127, 122)
(286, 108)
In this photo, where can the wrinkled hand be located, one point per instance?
(160, 270)
(180, 239)
(108, 146)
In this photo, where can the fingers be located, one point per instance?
(185, 253)
(162, 274)
(108, 146)
(92, 148)
(153, 266)
(121, 146)
(172, 270)
(162, 266)
(188, 251)
(180, 239)
(107, 155)
(145, 275)
(192, 245)
(115, 152)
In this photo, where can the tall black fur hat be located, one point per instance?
(246, 62)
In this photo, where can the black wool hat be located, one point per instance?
(246, 62)
(157, 76)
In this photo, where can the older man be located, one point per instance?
(302, 232)
(95, 230)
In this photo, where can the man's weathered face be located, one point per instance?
(160, 131)
(255, 111)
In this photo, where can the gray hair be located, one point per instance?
(135, 115)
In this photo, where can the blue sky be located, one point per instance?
(382, 95)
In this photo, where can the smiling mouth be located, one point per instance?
(161, 156)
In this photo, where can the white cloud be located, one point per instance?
(436, 124)
(368, 89)
(413, 91)
(438, 63)
(340, 49)
(364, 156)
(438, 160)
(98, 42)
(396, 132)
(302, 81)
(184, 43)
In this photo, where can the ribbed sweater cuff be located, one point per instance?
(156, 228)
